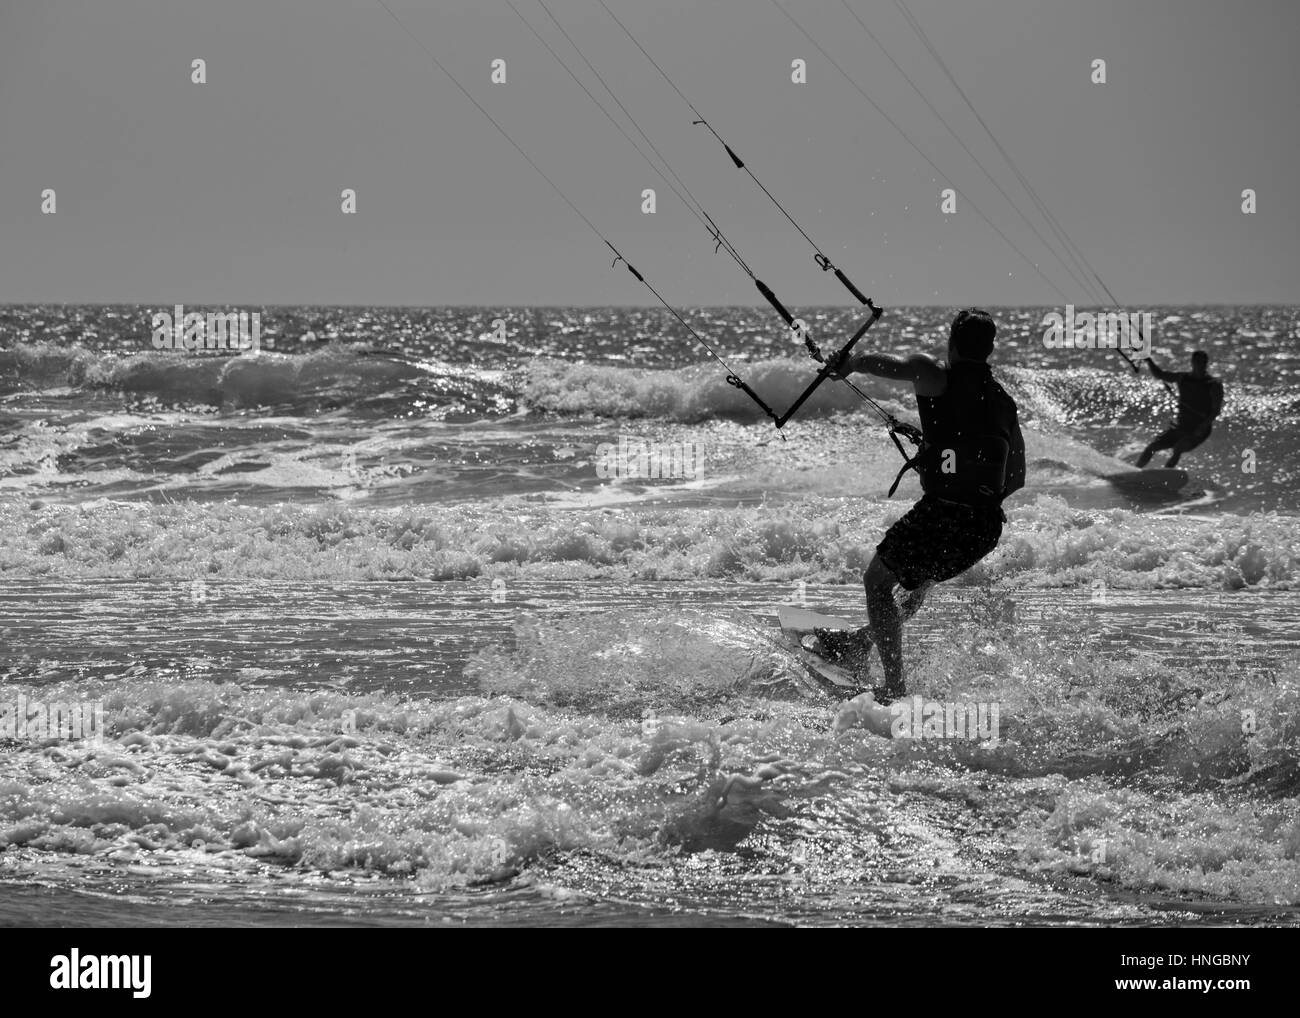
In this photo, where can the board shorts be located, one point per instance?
(1185, 437)
(937, 540)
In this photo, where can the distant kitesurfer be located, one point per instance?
(1200, 399)
(972, 457)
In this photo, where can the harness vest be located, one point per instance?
(1196, 398)
(967, 435)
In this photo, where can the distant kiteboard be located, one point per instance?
(1161, 480)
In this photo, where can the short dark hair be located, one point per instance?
(972, 333)
(1200, 355)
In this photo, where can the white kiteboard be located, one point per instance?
(861, 711)
(801, 621)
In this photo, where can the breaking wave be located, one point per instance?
(1045, 544)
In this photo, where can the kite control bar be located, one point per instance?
(830, 366)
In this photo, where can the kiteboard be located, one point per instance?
(798, 623)
(1161, 480)
(801, 621)
(860, 709)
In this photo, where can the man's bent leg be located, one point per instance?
(885, 623)
(850, 648)
(1162, 441)
(1186, 443)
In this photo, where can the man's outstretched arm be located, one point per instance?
(918, 368)
(1161, 373)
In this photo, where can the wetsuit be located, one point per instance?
(972, 458)
(1200, 397)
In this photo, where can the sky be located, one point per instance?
(229, 192)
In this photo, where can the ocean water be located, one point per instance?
(375, 641)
